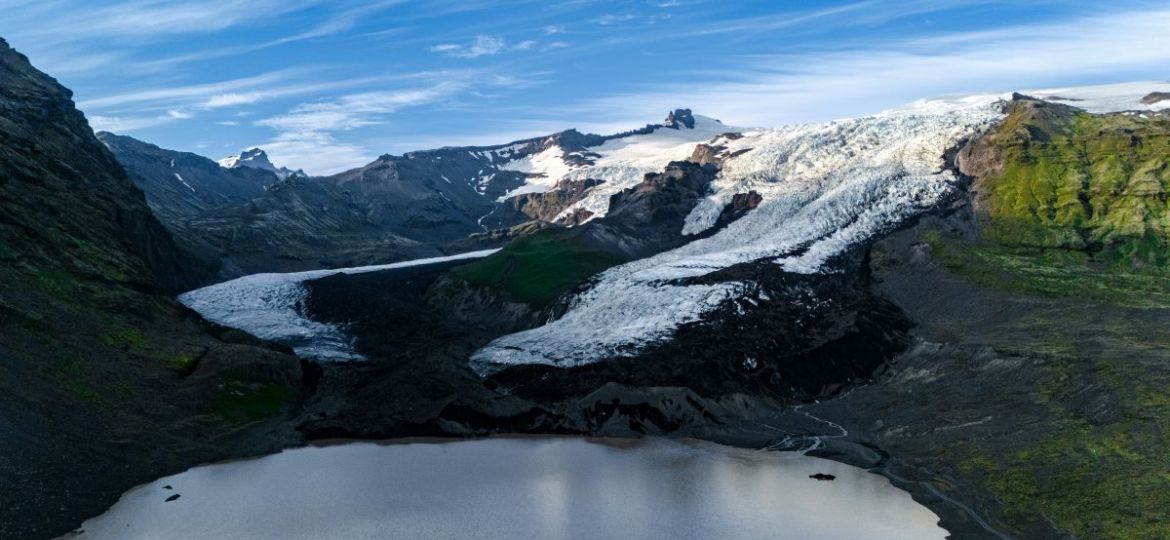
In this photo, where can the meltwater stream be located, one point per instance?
(269, 306)
(522, 488)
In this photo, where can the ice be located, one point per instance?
(825, 187)
(270, 306)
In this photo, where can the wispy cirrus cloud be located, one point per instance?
(780, 89)
(147, 18)
(482, 45)
(307, 134)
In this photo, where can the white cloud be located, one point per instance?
(357, 110)
(147, 18)
(554, 29)
(784, 89)
(315, 152)
(232, 99)
(608, 19)
(124, 124)
(307, 133)
(482, 45)
(525, 45)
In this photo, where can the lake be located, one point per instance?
(545, 488)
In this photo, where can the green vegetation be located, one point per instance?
(1052, 273)
(538, 269)
(125, 339)
(183, 363)
(241, 402)
(1101, 481)
(1076, 205)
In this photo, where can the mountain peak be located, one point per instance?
(680, 117)
(257, 158)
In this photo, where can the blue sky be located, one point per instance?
(327, 85)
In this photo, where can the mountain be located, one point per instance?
(255, 158)
(105, 381)
(418, 204)
(180, 184)
(966, 295)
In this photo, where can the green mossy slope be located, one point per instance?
(1072, 204)
(538, 269)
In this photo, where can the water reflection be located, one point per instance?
(546, 488)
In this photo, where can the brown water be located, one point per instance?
(523, 488)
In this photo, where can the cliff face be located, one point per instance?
(105, 381)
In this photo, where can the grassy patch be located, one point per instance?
(1096, 184)
(183, 363)
(1052, 273)
(1101, 482)
(538, 269)
(241, 402)
(125, 339)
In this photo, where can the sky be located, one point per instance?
(328, 85)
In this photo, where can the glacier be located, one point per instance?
(270, 306)
(825, 187)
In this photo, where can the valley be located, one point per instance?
(962, 295)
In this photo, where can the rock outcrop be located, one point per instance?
(105, 381)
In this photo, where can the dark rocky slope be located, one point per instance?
(105, 381)
(398, 207)
(179, 184)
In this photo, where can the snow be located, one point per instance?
(1107, 98)
(825, 187)
(544, 170)
(269, 306)
(256, 158)
(623, 162)
(180, 179)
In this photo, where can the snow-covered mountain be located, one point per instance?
(256, 158)
(825, 188)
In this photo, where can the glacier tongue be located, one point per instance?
(270, 306)
(825, 187)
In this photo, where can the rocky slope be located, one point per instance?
(180, 184)
(105, 381)
(420, 203)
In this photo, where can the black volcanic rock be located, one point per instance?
(1155, 97)
(105, 381)
(680, 118)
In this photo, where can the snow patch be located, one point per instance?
(184, 182)
(271, 306)
(1108, 97)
